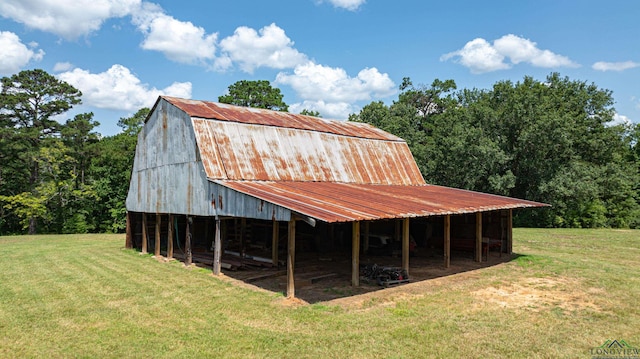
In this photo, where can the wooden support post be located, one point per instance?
(128, 238)
(365, 245)
(479, 237)
(243, 231)
(217, 249)
(405, 244)
(144, 234)
(156, 247)
(355, 254)
(187, 243)
(447, 241)
(291, 257)
(509, 233)
(275, 234)
(170, 237)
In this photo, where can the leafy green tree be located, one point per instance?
(257, 94)
(131, 126)
(78, 136)
(111, 170)
(546, 141)
(310, 113)
(28, 102)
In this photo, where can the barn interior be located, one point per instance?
(255, 251)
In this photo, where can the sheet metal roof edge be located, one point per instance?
(372, 132)
(525, 204)
(533, 203)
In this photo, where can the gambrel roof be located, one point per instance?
(266, 164)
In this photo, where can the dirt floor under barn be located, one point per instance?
(327, 277)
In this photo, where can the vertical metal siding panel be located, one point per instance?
(319, 157)
(238, 204)
(392, 161)
(172, 180)
(257, 151)
(302, 141)
(242, 148)
(204, 134)
(225, 146)
(232, 156)
(351, 161)
(408, 168)
(333, 148)
(290, 169)
(271, 151)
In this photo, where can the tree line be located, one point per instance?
(551, 141)
(548, 141)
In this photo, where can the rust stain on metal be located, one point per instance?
(220, 202)
(343, 202)
(225, 112)
(241, 151)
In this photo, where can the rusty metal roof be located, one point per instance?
(344, 202)
(254, 152)
(333, 171)
(247, 115)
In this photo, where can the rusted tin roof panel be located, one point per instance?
(343, 202)
(225, 112)
(241, 151)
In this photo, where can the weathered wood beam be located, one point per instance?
(144, 234)
(509, 233)
(243, 227)
(128, 238)
(447, 241)
(291, 257)
(275, 234)
(170, 237)
(365, 245)
(479, 237)
(217, 249)
(156, 247)
(405, 244)
(187, 243)
(355, 254)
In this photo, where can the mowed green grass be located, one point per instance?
(567, 292)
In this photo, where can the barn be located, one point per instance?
(218, 180)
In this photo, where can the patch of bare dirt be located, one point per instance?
(536, 294)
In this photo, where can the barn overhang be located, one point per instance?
(344, 202)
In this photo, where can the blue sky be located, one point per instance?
(333, 56)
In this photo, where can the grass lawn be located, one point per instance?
(566, 292)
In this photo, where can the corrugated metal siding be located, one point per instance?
(240, 151)
(167, 175)
(267, 165)
(229, 202)
(225, 112)
(342, 202)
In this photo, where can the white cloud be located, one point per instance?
(318, 82)
(268, 47)
(351, 5)
(62, 66)
(480, 56)
(119, 89)
(331, 91)
(332, 110)
(15, 55)
(615, 66)
(69, 19)
(619, 119)
(179, 41)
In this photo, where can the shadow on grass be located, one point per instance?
(324, 277)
